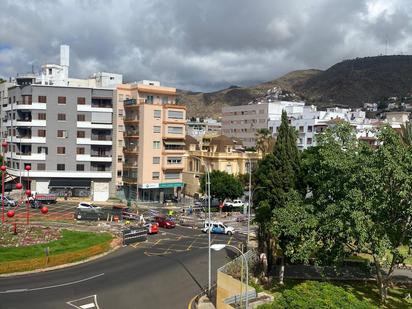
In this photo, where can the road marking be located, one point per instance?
(88, 305)
(52, 286)
(230, 239)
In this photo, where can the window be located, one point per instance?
(309, 141)
(120, 128)
(149, 99)
(61, 100)
(81, 134)
(81, 117)
(42, 99)
(175, 114)
(119, 159)
(41, 166)
(174, 160)
(61, 167)
(61, 150)
(41, 116)
(309, 128)
(165, 100)
(156, 129)
(62, 133)
(50, 71)
(81, 100)
(121, 113)
(80, 150)
(61, 117)
(156, 160)
(43, 150)
(41, 133)
(80, 167)
(156, 144)
(175, 130)
(155, 175)
(301, 129)
(119, 173)
(157, 113)
(172, 175)
(121, 96)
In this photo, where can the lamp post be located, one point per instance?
(209, 221)
(250, 199)
(218, 247)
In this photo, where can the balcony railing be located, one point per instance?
(101, 138)
(129, 102)
(100, 155)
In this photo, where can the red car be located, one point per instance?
(152, 228)
(165, 222)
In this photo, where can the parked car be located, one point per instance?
(8, 201)
(218, 228)
(87, 206)
(165, 222)
(87, 211)
(235, 203)
(152, 228)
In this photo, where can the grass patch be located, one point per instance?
(70, 241)
(304, 294)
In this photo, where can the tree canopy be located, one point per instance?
(222, 185)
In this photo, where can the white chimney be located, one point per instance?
(64, 55)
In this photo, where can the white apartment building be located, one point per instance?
(62, 130)
(198, 127)
(243, 121)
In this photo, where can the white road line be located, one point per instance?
(84, 306)
(51, 286)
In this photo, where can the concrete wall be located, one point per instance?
(227, 286)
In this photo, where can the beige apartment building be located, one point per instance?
(153, 152)
(222, 153)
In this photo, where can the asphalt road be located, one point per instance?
(165, 272)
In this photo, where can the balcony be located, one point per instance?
(131, 133)
(131, 119)
(88, 141)
(130, 150)
(94, 158)
(26, 156)
(102, 103)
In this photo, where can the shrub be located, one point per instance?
(317, 295)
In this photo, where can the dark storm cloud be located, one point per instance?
(199, 45)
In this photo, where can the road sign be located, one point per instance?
(133, 235)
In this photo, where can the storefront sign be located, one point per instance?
(149, 186)
(171, 185)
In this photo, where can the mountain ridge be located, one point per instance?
(348, 83)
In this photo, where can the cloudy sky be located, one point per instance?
(200, 44)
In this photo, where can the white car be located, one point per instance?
(84, 205)
(218, 228)
(235, 203)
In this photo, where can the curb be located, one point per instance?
(41, 270)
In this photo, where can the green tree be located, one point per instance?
(278, 173)
(264, 141)
(359, 201)
(222, 185)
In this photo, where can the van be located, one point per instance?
(217, 227)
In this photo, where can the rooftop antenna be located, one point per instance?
(386, 44)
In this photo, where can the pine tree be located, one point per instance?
(278, 174)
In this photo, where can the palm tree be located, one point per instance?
(264, 141)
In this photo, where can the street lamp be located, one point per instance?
(218, 247)
(209, 222)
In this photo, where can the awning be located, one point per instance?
(69, 183)
(174, 143)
